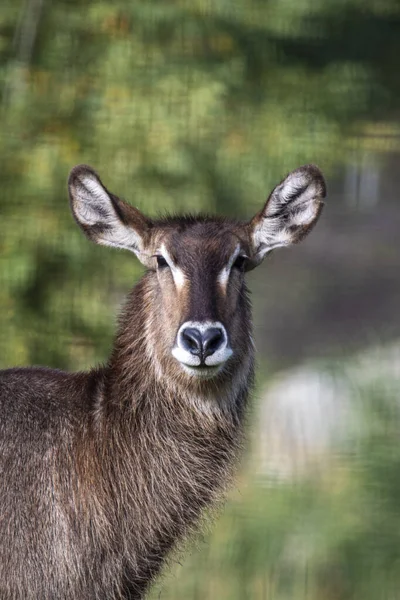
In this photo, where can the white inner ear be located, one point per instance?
(269, 235)
(93, 206)
(287, 208)
(284, 192)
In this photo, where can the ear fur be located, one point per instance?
(290, 212)
(104, 218)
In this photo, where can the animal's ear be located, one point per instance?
(290, 212)
(103, 217)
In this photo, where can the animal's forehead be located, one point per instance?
(190, 237)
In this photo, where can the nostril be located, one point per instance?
(202, 344)
(191, 340)
(213, 338)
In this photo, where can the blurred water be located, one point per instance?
(203, 106)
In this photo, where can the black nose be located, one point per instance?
(202, 343)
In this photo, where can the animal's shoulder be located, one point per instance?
(36, 397)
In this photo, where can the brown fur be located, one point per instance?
(103, 473)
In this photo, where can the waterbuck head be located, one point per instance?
(199, 320)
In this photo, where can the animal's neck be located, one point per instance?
(169, 451)
(130, 365)
(201, 424)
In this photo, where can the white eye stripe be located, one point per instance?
(180, 278)
(223, 276)
(177, 273)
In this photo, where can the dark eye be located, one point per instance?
(240, 262)
(161, 262)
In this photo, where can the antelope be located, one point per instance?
(104, 473)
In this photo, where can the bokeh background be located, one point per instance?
(204, 106)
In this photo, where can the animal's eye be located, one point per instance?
(240, 262)
(161, 262)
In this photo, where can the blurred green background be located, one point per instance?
(204, 106)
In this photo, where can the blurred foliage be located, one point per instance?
(180, 106)
(198, 105)
(331, 537)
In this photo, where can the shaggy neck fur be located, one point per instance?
(169, 450)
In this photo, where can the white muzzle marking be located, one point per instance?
(191, 361)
